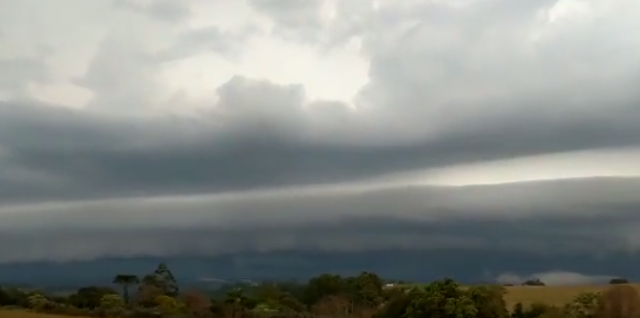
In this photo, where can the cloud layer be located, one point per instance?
(168, 128)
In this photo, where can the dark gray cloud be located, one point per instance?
(258, 137)
(264, 167)
(593, 216)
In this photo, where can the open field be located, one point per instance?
(26, 314)
(552, 295)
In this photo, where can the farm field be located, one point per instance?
(26, 314)
(552, 295)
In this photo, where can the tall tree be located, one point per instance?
(162, 279)
(126, 280)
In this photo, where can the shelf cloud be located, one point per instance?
(193, 128)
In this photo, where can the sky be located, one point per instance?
(159, 128)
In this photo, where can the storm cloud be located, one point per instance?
(352, 126)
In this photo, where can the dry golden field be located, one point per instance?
(25, 314)
(552, 295)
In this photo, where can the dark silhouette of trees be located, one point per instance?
(5, 298)
(617, 281)
(324, 296)
(533, 282)
(126, 281)
(89, 297)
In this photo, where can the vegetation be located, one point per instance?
(158, 295)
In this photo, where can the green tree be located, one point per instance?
(89, 297)
(37, 302)
(112, 304)
(396, 306)
(236, 297)
(441, 299)
(584, 305)
(126, 280)
(167, 304)
(368, 289)
(163, 279)
(489, 301)
(322, 286)
(269, 295)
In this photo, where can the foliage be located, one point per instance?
(163, 278)
(89, 297)
(616, 281)
(37, 302)
(327, 295)
(197, 304)
(584, 305)
(533, 282)
(126, 280)
(168, 305)
(111, 304)
(489, 301)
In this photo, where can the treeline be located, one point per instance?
(363, 296)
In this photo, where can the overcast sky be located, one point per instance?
(317, 124)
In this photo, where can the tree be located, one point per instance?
(89, 297)
(275, 298)
(616, 281)
(333, 306)
(37, 301)
(322, 286)
(533, 282)
(163, 279)
(367, 289)
(147, 294)
(5, 298)
(167, 304)
(441, 299)
(584, 305)
(111, 304)
(197, 304)
(168, 281)
(489, 301)
(125, 281)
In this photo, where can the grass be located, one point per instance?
(26, 314)
(550, 295)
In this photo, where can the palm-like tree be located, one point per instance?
(125, 281)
